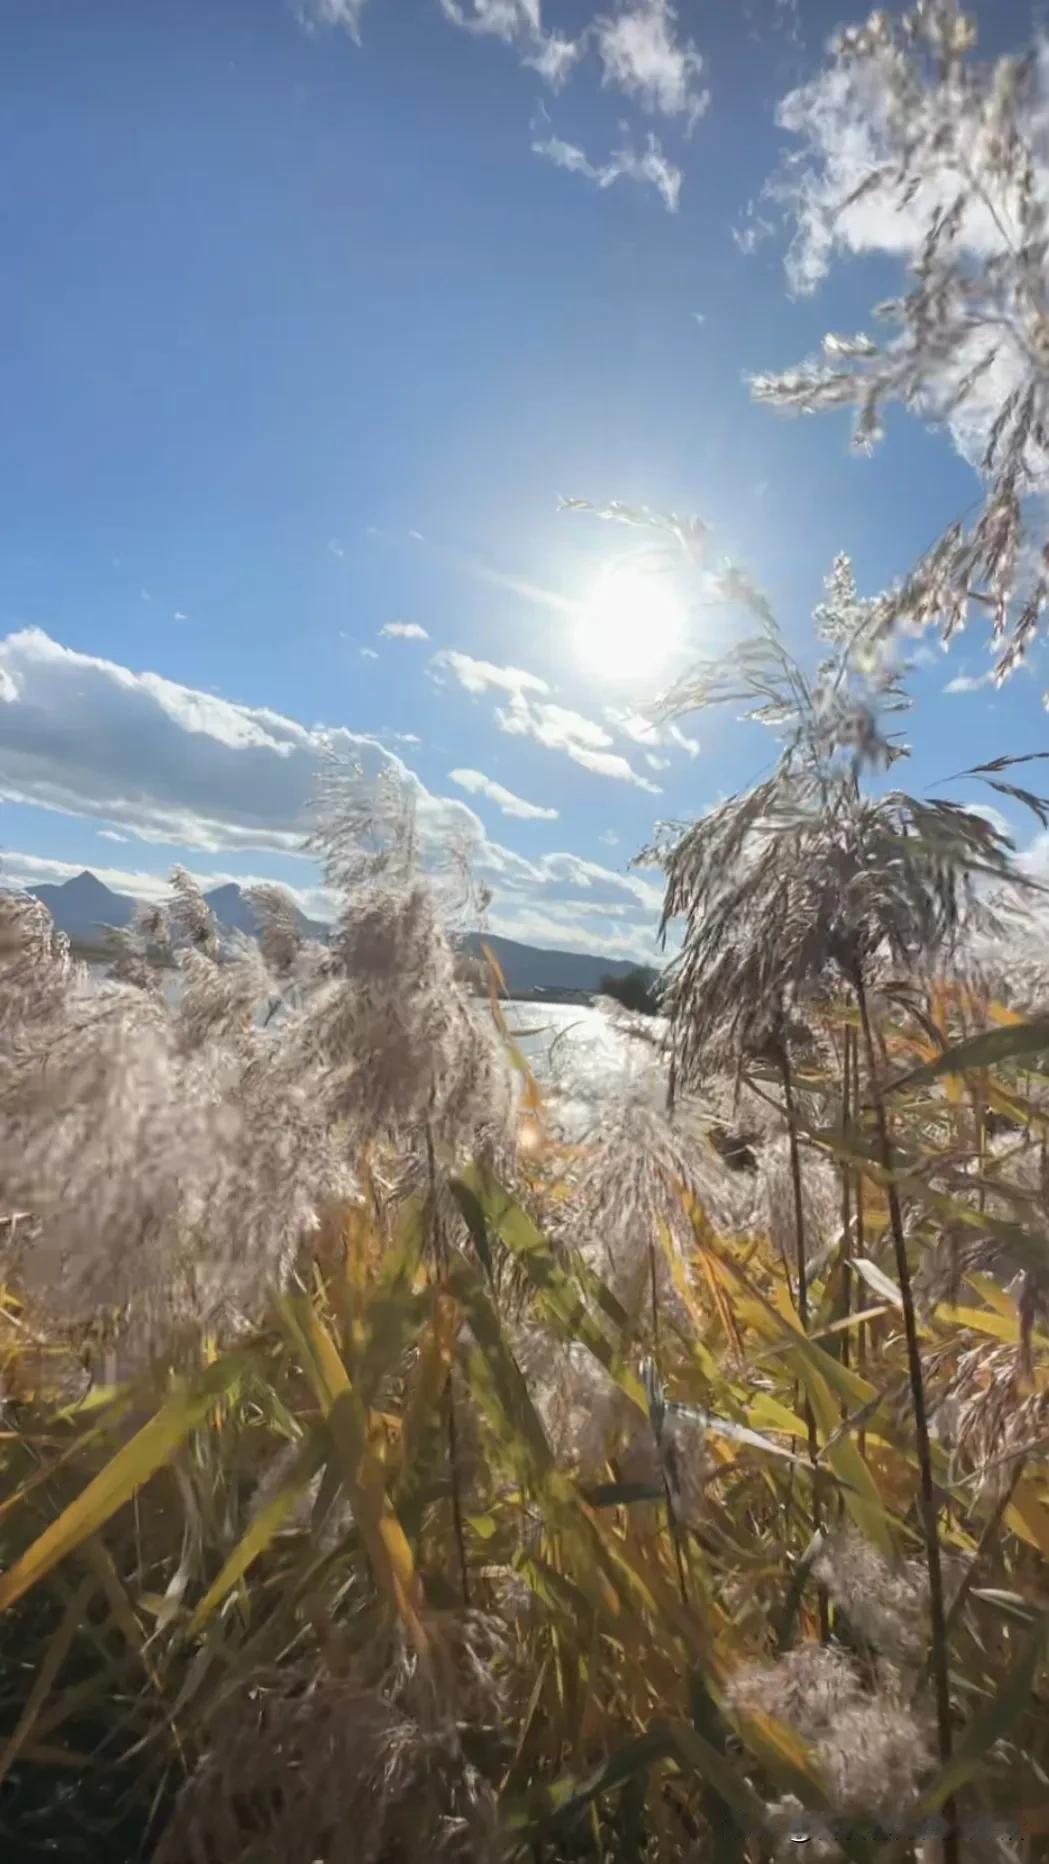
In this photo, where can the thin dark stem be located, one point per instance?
(803, 1302)
(846, 1201)
(988, 1537)
(938, 1655)
(672, 1521)
(795, 1174)
(440, 1258)
(861, 1332)
(457, 1508)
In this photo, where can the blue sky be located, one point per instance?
(310, 315)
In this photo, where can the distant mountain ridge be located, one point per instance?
(83, 906)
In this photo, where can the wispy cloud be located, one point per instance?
(404, 631)
(651, 166)
(610, 838)
(970, 682)
(610, 764)
(633, 725)
(369, 653)
(641, 55)
(558, 728)
(344, 13)
(110, 834)
(518, 23)
(403, 737)
(675, 735)
(646, 732)
(478, 676)
(179, 616)
(477, 784)
(335, 548)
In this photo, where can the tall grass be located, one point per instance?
(458, 1499)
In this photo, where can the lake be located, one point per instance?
(573, 1049)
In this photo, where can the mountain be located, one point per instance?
(532, 967)
(232, 909)
(83, 906)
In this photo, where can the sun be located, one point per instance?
(632, 624)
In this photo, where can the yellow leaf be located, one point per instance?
(122, 1476)
(981, 1320)
(1028, 1517)
(363, 1472)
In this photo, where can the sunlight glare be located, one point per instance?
(632, 624)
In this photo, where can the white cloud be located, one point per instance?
(403, 737)
(656, 763)
(646, 732)
(555, 726)
(610, 764)
(970, 682)
(518, 23)
(559, 729)
(336, 549)
(634, 725)
(404, 631)
(851, 131)
(179, 616)
(610, 838)
(554, 59)
(344, 13)
(186, 772)
(477, 784)
(994, 816)
(8, 689)
(641, 55)
(682, 740)
(478, 676)
(167, 763)
(651, 167)
(369, 653)
(110, 834)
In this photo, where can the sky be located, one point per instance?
(312, 315)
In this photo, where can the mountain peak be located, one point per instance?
(84, 905)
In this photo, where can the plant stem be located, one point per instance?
(440, 1259)
(803, 1300)
(672, 1520)
(937, 1616)
(861, 1331)
(846, 1200)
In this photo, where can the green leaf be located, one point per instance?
(695, 1752)
(266, 1523)
(562, 1802)
(986, 1050)
(1005, 1707)
(477, 1191)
